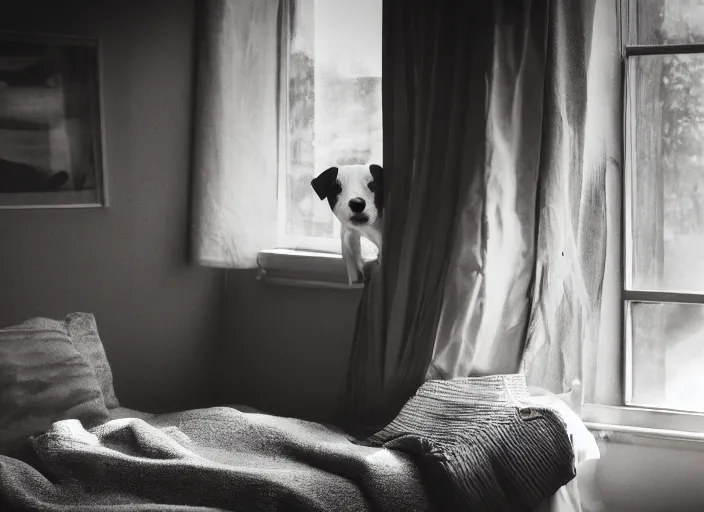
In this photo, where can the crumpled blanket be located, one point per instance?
(207, 459)
(485, 441)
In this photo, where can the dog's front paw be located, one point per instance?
(355, 277)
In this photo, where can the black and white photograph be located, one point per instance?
(359, 255)
(50, 149)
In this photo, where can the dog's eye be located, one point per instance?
(373, 186)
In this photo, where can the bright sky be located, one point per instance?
(348, 33)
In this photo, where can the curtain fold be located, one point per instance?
(236, 131)
(495, 227)
(571, 217)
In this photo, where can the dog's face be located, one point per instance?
(354, 192)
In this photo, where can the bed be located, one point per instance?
(66, 443)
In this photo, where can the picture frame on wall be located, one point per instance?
(51, 123)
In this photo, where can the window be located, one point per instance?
(331, 110)
(663, 250)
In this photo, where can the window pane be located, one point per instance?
(668, 355)
(334, 102)
(667, 180)
(670, 21)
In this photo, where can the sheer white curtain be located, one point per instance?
(236, 132)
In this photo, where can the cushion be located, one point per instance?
(43, 379)
(84, 333)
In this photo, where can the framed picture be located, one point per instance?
(51, 145)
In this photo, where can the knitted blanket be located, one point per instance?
(206, 459)
(484, 443)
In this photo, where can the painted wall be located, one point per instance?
(286, 348)
(644, 479)
(157, 315)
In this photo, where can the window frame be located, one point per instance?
(310, 245)
(616, 412)
(284, 241)
(298, 260)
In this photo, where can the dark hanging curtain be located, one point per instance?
(490, 204)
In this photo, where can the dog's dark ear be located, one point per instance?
(324, 182)
(377, 173)
(377, 186)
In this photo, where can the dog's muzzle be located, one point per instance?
(357, 205)
(359, 218)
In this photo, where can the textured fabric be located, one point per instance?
(84, 334)
(485, 306)
(603, 139)
(485, 441)
(236, 132)
(581, 494)
(495, 220)
(581, 142)
(217, 458)
(43, 379)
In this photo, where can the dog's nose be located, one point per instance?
(357, 204)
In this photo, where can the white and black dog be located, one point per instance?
(356, 196)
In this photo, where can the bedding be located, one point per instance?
(216, 458)
(83, 330)
(222, 458)
(484, 439)
(480, 444)
(43, 379)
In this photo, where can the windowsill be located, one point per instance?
(645, 427)
(310, 269)
(652, 438)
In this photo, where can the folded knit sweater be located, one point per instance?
(485, 447)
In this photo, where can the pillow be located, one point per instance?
(84, 334)
(43, 379)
